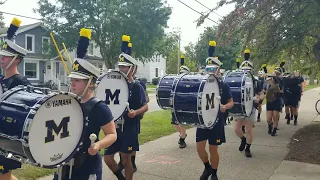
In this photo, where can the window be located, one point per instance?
(31, 70)
(157, 72)
(90, 49)
(45, 45)
(29, 43)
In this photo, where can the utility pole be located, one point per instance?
(179, 46)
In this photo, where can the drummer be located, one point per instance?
(216, 135)
(247, 121)
(182, 131)
(11, 56)
(127, 129)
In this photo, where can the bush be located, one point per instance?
(155, 81)
(144, 80)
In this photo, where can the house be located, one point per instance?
(37, 66)
(155, 68)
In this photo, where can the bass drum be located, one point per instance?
(196, 100)
(113, 88)
(241, 85)
(40, 127)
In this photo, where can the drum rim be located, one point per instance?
(125, 77)
(80, 142)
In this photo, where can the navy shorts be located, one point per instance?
(275, 105)
(294, 102)
(127, 142)
(215, 136)
(7, 165)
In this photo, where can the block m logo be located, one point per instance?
(112, 97)
(52, 127)
(210, 100)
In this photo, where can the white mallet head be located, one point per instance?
(128, 106)
(218, 97)
(93, 138)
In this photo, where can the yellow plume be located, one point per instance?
(213, 43)
(16, 22)
(182, 56)
(247, 51)
(130, 45)
(238, 60)
(126, 38)
(264, 65)
(85, 33)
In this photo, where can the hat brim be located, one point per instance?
(124, 64)
(6, 53)
(77, 76)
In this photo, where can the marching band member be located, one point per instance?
(216, 135)
(88, 162)
(143, 84)
(248, 122)
(127, 131)
(261, 80)
(11, 56)
(292, 96)
(279, 80)
(182, 131)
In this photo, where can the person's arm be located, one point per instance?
(105, 120)
(144, 108)
(226, 95)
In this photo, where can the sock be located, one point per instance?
(291, 116)
(258, 115)
(118, 174)
(133, 160)
(214, 172)
(248, 147)
(207, 165)
(243, 138)
(295, 117)
(287, 116)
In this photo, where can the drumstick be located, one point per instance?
(93, 138)
(128, 106)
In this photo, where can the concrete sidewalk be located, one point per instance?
(162, 159)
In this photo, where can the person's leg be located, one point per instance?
(259, 110)
(287, 109)
(201, 140)
(249, 122)
(275, 117)
(238, 124)
(182, 132)
(214, 159)
(269, 118)
(113, 166)
(295, 107)
(127, 163)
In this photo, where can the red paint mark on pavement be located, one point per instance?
(164, 160)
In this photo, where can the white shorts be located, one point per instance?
(252, 118)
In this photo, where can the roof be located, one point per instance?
(3, 31)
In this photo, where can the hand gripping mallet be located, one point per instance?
(93, 138)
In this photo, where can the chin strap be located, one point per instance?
(86, 88)
(13, 59)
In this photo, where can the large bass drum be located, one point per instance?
(196, 100)
(40, 127)
(241, 85)
(113, 88)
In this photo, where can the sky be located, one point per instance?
(182, 17)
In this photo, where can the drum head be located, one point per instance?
(55, 130)
(113, 89)
(248, 94)
(210, 104)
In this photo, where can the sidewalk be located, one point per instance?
(162, 159)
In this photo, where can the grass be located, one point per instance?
(308, 87)
(151, 86)
(153, 126)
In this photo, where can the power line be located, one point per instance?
(207, 7)
(21, 16)
(196, 11)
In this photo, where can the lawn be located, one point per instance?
(308, 87)
(153, 126)
(151, 86)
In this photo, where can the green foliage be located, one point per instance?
(143, 20)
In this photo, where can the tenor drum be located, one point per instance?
(165, 89)
(241, 85)
(196, 100)
(40, 127)
(113, 88)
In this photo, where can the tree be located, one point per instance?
(143, 20)
(272, 26)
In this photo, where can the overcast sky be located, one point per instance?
(181, 16)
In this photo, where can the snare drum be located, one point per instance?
(241, 85)
(196, 100)
(41, 128)
(113, 88)
(165, 90)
